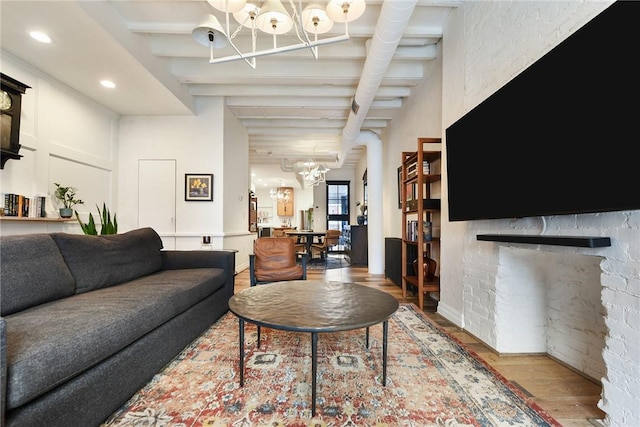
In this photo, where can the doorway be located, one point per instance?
(338, 202)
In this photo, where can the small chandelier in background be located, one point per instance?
(280, 193)
(272, 18)
(313, 174)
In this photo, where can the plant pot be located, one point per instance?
(66, 212)
(360, 219)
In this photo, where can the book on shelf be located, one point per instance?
(411, 230)
(412, 170)
(19, 205)
(426, 168)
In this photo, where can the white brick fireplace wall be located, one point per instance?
(541, 302)
(579, 305)
(582, 305)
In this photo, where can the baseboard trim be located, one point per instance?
(451, 314)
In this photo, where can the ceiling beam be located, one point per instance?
(292, 90)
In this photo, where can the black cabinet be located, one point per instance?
(393, 259)
(356, 245)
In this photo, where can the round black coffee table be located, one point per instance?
(314, 307)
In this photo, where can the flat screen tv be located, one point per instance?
(559, 138)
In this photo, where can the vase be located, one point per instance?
(66, 212)
(429, 268)
(360, 219)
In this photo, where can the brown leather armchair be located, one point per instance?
(274, 260)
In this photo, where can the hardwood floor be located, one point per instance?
(566, 395)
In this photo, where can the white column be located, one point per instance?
(375, 227)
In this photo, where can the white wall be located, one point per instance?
(196, 143)
(69, 139)
(485, 45)
(213, 142)
(65, 138)
(234, 184)
(305, 200)
(420, 117)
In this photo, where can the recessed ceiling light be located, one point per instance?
(108, 84)
(40, 36)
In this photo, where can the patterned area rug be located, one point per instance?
(432, 380)
(332, 261)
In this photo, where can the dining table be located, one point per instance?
(306, 236)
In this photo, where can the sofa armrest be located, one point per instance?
(3, 368)
(179, 259)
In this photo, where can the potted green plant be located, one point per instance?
(310, 219)
(109, 226)
(67, 195)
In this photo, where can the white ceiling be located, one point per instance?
(293, 106)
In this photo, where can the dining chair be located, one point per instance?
(274, 260)
(330, 239)
(300, 246)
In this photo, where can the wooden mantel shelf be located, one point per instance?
(23, 218)
(576, 241)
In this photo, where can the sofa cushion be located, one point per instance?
(32, 272)
(52, 343)
(100, 261)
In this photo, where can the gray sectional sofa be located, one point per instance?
(86, 321)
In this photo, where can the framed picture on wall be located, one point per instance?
(198, 187)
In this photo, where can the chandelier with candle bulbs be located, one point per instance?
(313, 173)
(272, 18)
(281, 194)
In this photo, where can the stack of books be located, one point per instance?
(426, 168)
(21, 206)
(413, 230)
